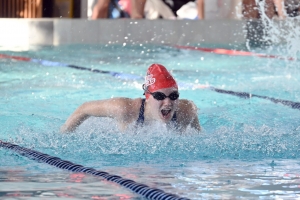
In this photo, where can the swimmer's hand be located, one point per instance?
(65, 129)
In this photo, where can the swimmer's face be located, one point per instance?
(164, 109)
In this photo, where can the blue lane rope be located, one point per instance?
(59, 64)
(245, 95)
(141, 189)
(114, 74)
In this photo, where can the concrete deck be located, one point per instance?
(27, 32)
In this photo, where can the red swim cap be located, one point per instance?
(158, 78)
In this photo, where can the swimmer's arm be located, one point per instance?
(80, 115)
(195, 124)
(102, 108)
(195, 121)
(190, 114)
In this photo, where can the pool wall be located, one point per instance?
(27, 32)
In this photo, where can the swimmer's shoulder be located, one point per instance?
(186, 103)
(130, 102)
(126, 100)
(188, 106)
(129, 106)
(188, 114)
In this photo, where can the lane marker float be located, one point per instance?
(59, 64)
(243, 95)
(141, 189)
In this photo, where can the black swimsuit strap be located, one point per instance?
(174, 118)
(141, 118)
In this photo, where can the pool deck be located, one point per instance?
(28, 32)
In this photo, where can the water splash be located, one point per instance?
(281, 36)
(98, 143)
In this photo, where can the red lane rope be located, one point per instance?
(15, 57)
(233, 52)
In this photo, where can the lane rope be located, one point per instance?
(141, 189)
(233, 52)
(291, 104)
(59, 64)
(243, 95)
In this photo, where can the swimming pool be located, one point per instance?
(249, 148)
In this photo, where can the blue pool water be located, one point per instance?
(249, 148)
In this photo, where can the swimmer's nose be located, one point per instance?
(167, 101)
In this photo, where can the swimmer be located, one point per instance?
(162, 104)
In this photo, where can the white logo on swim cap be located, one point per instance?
(149, 80)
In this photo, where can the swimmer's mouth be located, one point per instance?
(165, 112)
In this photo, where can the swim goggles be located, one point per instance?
(161, 96)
